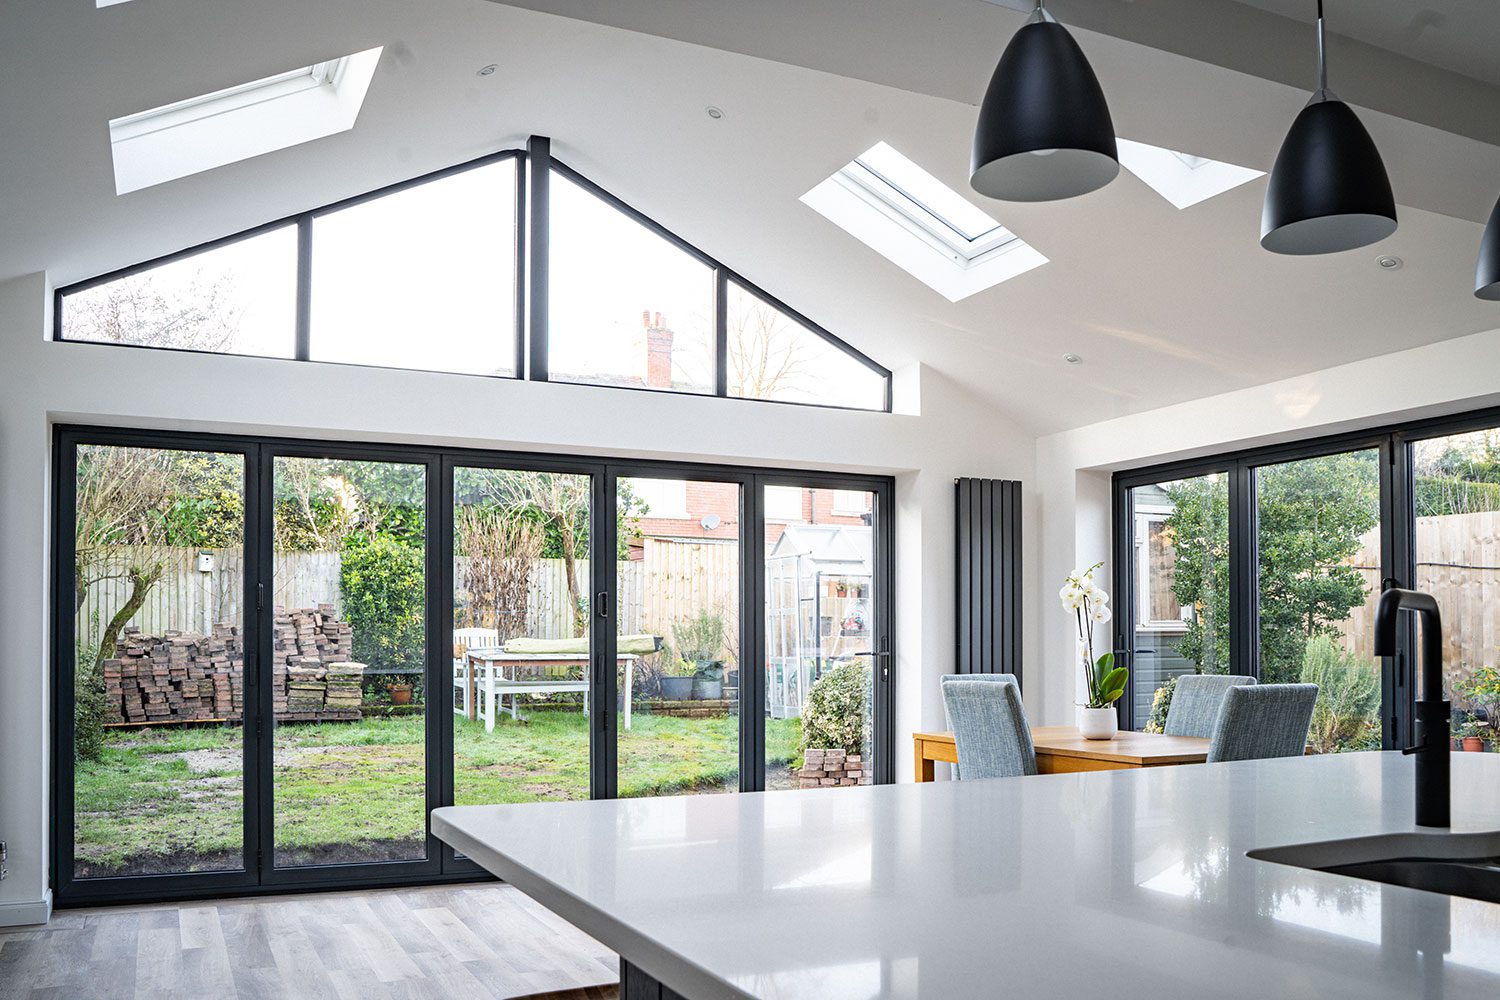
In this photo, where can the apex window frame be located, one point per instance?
(531, 329)
(303, 222)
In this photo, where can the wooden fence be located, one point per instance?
(672, 582)
(1458, 562)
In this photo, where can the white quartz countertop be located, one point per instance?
(1124, 884)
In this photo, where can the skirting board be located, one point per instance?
(25, 914)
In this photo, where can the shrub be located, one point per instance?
(700, 637)
(90, 705)
(1160, 703)
(1348, 695)
(837, 713)
(383, 584)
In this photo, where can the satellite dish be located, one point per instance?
(710, 522)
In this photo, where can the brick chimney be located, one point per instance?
(658, 351)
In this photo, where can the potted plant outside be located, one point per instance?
(400, 692)
(677, 680)
(708, 681)
(1104, 681)
(700, 644)
(1471, 736)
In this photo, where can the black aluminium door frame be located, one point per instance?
(451, 461)
(1392, 445)
(357, 873)
(882, 665)
(752, 683)
(259, 453)
(67, 888)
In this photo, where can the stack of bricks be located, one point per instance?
(175, 677)
(179, 677)
(312, 679)
(832, 768)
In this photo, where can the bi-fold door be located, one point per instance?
(275, 658)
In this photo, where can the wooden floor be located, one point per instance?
(450, 942)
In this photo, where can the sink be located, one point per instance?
(1454, 864)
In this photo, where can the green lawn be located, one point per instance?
(168, 800)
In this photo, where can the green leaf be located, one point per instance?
(1106, 662)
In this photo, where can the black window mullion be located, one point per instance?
(1398, 566)
(721, 332)
(884, 666)
(259, 630)
(1125, 607)
(437, 718)
(440, 699)
(1244, 575)
(604, 751)
(538, 246)
(518, 278)
(304, 287)
(752, 637)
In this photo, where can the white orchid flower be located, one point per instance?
(1102, 614)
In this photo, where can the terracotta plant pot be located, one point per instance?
(1473, 744)
(400, 694)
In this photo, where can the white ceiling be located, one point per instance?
(1457, 35)
(1162, 305)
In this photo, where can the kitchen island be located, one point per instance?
(1124, 884)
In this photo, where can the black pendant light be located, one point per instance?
(1487, 280)
(1044, 129)
(1329, 190)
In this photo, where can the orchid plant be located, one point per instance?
(1090, 606)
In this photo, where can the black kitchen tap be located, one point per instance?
(1432, 743)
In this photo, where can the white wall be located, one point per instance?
(1073, 467)
(47, 383)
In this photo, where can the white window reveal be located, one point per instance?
(886, 201)
(1182, 178)
(200, 133)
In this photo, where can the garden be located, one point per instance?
(168, 799)
(160, 690)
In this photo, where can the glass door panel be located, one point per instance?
(1318, 563)
(678, 627)
(1180, 583)
(521, 651)
(347, 661)
(1457, 548)
(158, 749)
(821, 634)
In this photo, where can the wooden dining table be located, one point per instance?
(1063, 749)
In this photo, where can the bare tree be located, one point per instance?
(201, 316)
(500, 549)
(324, 507)
(121, 531)
(765, 352)
(562, 501)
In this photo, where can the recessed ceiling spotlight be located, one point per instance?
(1389, 262)
(714, 113)
(1072, 359)
(487, 70)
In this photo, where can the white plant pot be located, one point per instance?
(1099, 723)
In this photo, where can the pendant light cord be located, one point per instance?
(1322, 57)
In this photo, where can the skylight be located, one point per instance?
(888, 202)
(1182, 178)
(226, 126)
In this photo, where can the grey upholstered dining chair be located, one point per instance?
(1264, 720)
(1196, 701)
(989, 727)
